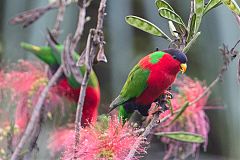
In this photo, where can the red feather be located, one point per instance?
(91, 103)
(162, 75)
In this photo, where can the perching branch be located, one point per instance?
(95, 39)
(144, 135)
(35, 116)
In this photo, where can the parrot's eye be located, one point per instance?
(174, 57)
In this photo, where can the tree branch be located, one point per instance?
(26, 18)
(61, 10)
(80, 26)
(95, 38)
(82, 95)
(144, 135)
(35, 115)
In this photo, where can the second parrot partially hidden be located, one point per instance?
(148, 80)
(68, 86)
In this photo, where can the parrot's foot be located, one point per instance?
(156, 109)
(160, 107)
(163, 100)
(168, 95)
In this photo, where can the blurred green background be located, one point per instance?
(125, 45)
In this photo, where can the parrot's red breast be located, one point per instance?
(162, 75)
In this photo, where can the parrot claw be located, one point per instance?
(160, 107)
(168, 95)
(162, 101)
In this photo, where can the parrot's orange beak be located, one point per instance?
(183, 67)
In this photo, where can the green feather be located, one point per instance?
(134, 86)
(123, 115)
(136, 83)
(156, 56)
(48, 55)
(43, 53)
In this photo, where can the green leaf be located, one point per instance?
(199, 9)
(145, 26)
(211, 4)
(163, 4)
(171, 15)
(191, 27)
(182, 109)
(232, 5)
(183, 136)
(192, 41)
(172, 29)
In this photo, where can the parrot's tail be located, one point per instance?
(124, 115)
(32, 48)
(43, 53)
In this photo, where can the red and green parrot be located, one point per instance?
(149, 80)
(68, 86)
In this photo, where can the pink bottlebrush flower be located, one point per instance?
(26, 81)
(95, 142)
(193, 120)
(59, 138)
(189, 90)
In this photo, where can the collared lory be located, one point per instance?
(68, 86)
(148, 80)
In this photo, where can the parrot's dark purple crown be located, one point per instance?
(180, 56)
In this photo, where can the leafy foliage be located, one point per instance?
(163, 4)
(182, 136)
(170, 15)
(232, 5)
(146, 26)
(211, 4)
(184, 36)
(199, 9)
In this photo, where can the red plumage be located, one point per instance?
(91, 103)
(162, 75)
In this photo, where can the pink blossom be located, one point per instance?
(189, 90)
(193, 120)
(26, 80)
(97, 142)
(59, 138)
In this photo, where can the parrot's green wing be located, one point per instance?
(53, 59)
(136, 83)
(44, 53)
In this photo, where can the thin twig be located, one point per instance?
(82, 97)
(35, 134)
(237, 19)
(35, 115)
(101, 14)
(80, 26)
(56, 29)
(28, 17)
(93, 41)
(73, 44)
(206, 91)
(144, 135)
